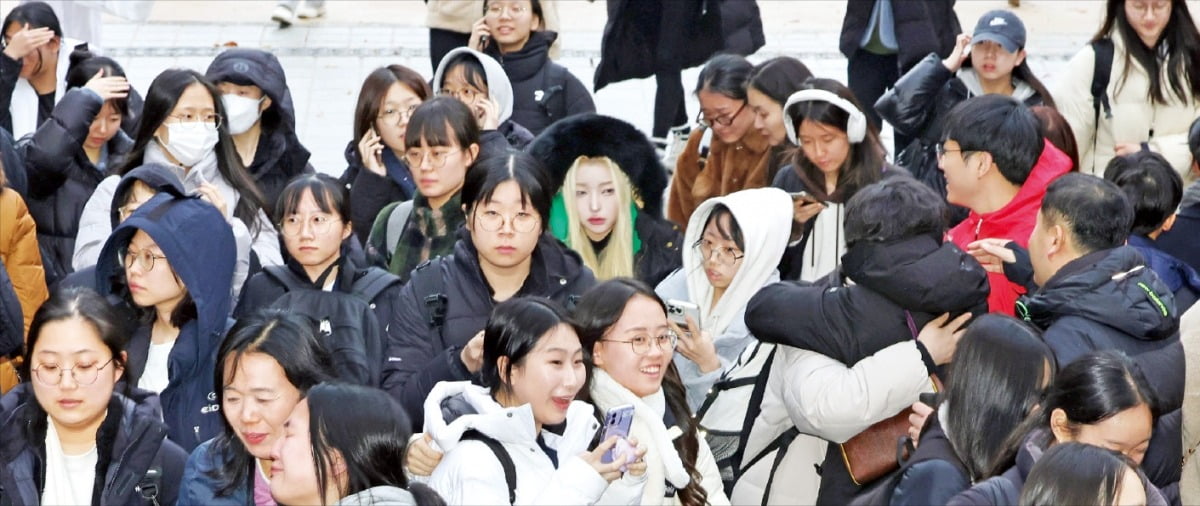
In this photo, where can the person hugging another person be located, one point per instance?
(609, 207)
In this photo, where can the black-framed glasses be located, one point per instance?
(641, 344)
(144, 258)
(293, 225)
(51, 375)
(723, 255)
(722, 120)
(396, 116)
(492, 221)
(941, 151)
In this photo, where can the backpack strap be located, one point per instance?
(285, 277)
(432, 287)
(372, 283)
(510, 470)
(780, 447)
(1101, 74)
(395, 225)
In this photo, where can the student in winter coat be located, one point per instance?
(267, 364)
(997, 165)
(479, 81)
(502, 252)
(990, 60)
(71, 436)
(543, 91)
(739, 156)
(70, 153)
(184, 126)
(35, 60)
(1183, 239)
(1154, 190)
(1097, 476)
(608, 207)
(19, 253)
(316, 234)
(328, 458)
(376, 172)
(24, 280)
(995, 381)
(443, 144)
(1153, 92)
(261, 119)
(452, 22)
(625, 325)
(896, 277)
(172, 261)
(839, 154)
(534, 369)
(138, 187)
(768, 88)
(1090, 292)
(1102, 399)
(735, 245)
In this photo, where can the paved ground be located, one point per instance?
(327, 59)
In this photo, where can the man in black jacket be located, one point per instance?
(1096, 293)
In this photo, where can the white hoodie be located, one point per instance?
(764, 216)
(470, 473)
(499, 87)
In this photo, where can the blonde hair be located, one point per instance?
(616, 260)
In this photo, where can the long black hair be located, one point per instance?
(1093, 388)
(779, 77)
(865, 161)
(996, 379)
(1076, 473)
(1179, 43)
(289, 340)
(513, 330)
(164, 93)
(371, 443)
(597, 311)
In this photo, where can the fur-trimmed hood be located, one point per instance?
(595, 135)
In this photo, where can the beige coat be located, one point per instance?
(1133, 116)
(1189, 334)
(459, 15)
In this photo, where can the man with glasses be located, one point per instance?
(997, 165)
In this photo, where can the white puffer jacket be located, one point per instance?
(470, 472)
(1134, 117)
(663, 464)
(826, 401)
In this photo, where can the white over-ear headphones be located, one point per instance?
(856, 127)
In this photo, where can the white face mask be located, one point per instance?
(190, 142)
(242, 112)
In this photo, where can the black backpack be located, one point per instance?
(506, 462)
(1101, 74)
(346, 322)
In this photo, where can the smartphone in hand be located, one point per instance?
(617, 422)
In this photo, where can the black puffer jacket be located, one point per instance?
(280, 155)
(61, 178)
(643, 37)
(543, 91)
(423, 353)
(662, 249)
(131, 440)
(918, 105)
(918, 275)
(1110, 300)
(921, 28)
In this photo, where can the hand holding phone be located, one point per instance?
(617, 422)
(678, 311)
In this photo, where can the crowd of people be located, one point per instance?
(506, 298)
